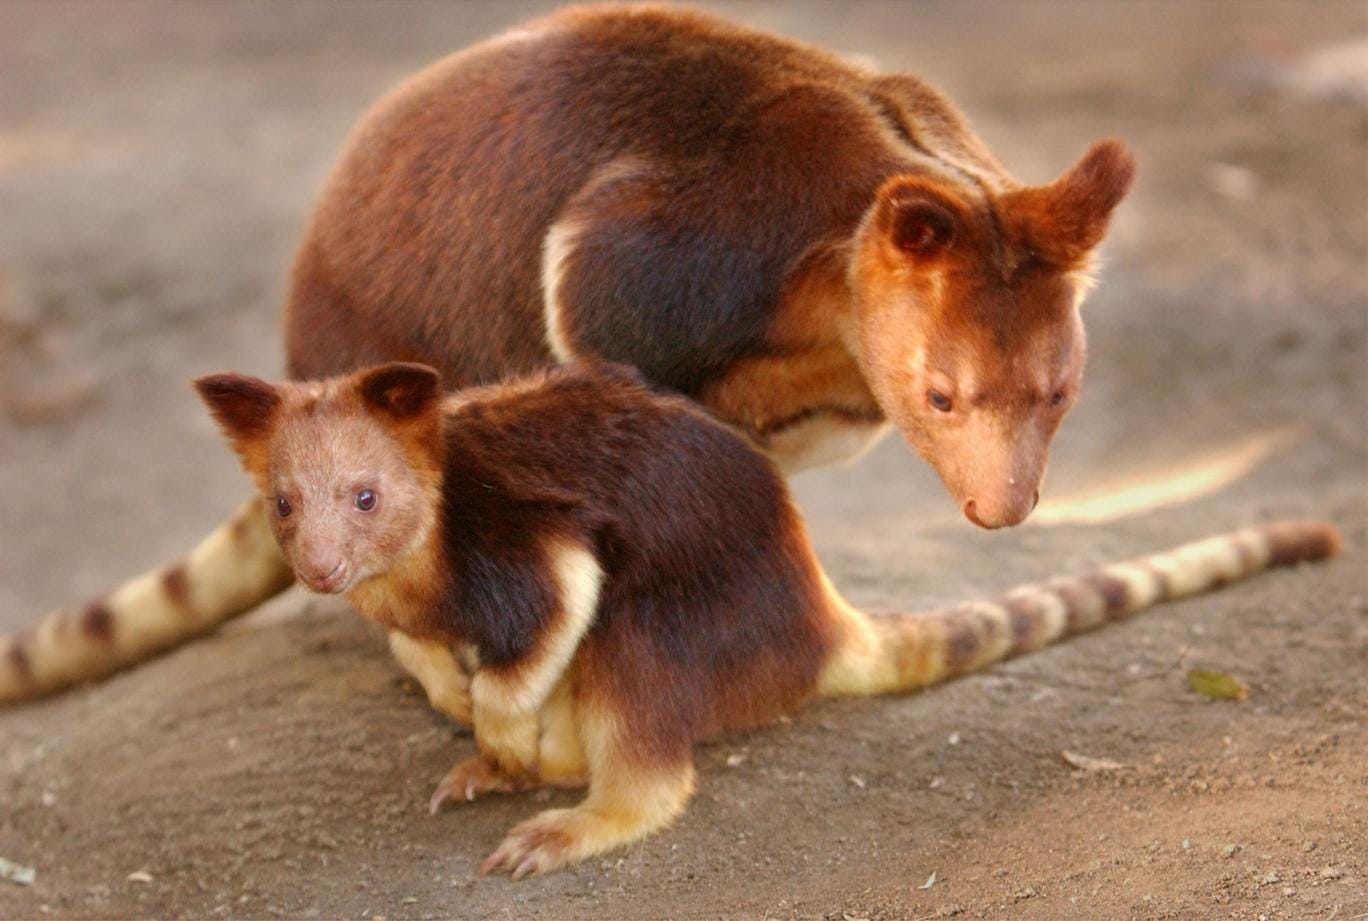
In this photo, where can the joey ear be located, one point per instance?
(1067, 218)
(400, 389)
(920, 220)
(243, 406)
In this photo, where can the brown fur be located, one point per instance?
(630, 576)
(177, 586)
(742, 218)
(749, 221)
(97, 621)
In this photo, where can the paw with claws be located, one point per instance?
(472, 778)
(543, 843)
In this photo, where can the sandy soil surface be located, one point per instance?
(155, 166)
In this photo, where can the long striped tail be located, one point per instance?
(234, 569)
(882, 654)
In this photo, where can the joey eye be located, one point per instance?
(1057, 398)
(283, 507)
(939, 401)
(365, 500)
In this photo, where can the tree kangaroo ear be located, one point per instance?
(920, 220)
(400, 390)
(1064, 220)
(244, 407)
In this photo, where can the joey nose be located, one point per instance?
(321, 572)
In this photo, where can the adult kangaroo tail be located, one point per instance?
(881, 654)
(234, 569)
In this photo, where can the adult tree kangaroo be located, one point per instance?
(808, 249)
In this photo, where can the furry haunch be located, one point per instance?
(809, 249)
(597, 576)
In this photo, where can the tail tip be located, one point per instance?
(1299, 541)
(1334, 541)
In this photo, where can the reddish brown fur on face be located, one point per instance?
(329, 441)
(698, 177)
(975, 311)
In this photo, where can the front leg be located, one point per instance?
(435, 667)
(506, 739)
(506, 699)
(560, 760)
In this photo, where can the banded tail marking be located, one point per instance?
(882, 654)
(234, 569)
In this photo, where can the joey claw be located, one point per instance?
(492, 862)
(470, 779)
(447, 791)
(541, 844)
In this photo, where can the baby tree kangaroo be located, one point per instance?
(625, 576)
(809, 249)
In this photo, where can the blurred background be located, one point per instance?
(157, 162)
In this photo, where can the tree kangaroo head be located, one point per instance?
(967, 320)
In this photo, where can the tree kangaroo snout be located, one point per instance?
(969, 327)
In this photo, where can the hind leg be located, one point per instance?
(626, 802)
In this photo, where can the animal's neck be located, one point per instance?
(404, 596)
(804, 397)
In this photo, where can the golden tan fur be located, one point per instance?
(624, 577)
(805, 247)
(229, 572)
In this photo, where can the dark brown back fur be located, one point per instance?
(426, 242)
(711, 614)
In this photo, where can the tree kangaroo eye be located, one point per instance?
(1057, 398)
(365, 500)
(283, 507)
(939, 401)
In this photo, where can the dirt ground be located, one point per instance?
(156, 162)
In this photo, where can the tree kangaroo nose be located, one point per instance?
(970, 512)
(995, 516)
(321, 569)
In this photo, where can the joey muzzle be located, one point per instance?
(323, 571)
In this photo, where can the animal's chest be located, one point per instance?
(405, 599)
(802, 407)
(826, 436)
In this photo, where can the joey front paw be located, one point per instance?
(472, 778)
(455, 703)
